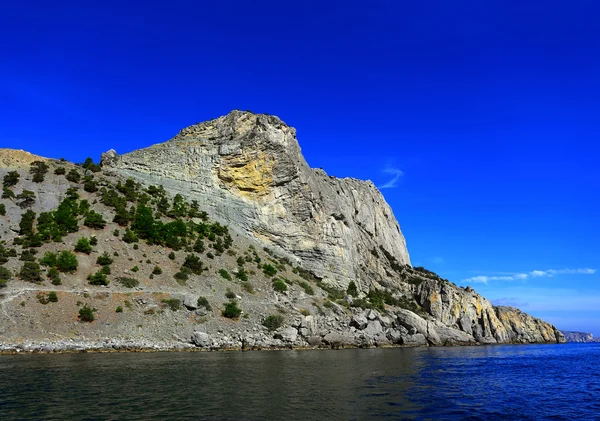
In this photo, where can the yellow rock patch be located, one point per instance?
(249, 176)
(13, 158)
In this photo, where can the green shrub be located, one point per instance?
(241, 274)
(52, 297)
(86, 313)
(54, 276)
(60, 171)
(352, 289)
(248, 287)
(119, 309)
(203, 302)
(135, 269)
(97, 278)
(11, 179)
(308, 289)
(66, 262)
(157, 270)
(49, 259)
(172, 256)
(2, 209)
(269, 270)
(199, 246)
(241, 261)
(104, 259)
(39, 170)
(73, 176)
(90, 186)
(181, 277)
(333, 293)
(7, 193)
(279, 285)
(5, 276)
(27, 256)
(273, 322)
(230, 294)
(224, 274)
(106, 270)
(30, 272)
(83, 245)
(130, 237)
(89, 164)
(128, 282)
(173, 303)
(94, 220)
(26, 223)
(231, 310)
(194, 263)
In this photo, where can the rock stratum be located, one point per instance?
(221, 238)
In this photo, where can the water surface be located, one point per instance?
(530, 382)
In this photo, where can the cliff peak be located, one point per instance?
(249, 171)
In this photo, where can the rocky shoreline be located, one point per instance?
(366, 329)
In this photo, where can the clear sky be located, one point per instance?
(479, 119)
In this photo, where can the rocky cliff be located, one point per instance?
(222, 237)
(579, 337)
(248, 171)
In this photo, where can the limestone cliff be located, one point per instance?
(579, 337)
(247, 169)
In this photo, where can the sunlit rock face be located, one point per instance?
(247, 170)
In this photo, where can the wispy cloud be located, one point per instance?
(509, 301)
(396, 174)
(484, 279)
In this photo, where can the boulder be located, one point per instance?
(418, 339)
(287, 334)
(190, 301)
(359, 321)
(202, 339)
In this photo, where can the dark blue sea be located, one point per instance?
(508, 382)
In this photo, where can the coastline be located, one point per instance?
(104, 347)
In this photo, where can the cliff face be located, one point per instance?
(247, 170)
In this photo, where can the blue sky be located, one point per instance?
(480, 119)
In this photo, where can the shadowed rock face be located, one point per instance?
(247, 170)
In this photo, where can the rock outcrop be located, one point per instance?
(13, 158)
(247, 170)
(579, 337)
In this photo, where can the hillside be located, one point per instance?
(222, 237)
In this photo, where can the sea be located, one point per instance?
(503, 382)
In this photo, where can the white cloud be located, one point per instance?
(533, 274)
(396, 173)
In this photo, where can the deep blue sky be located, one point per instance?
(490, 109)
